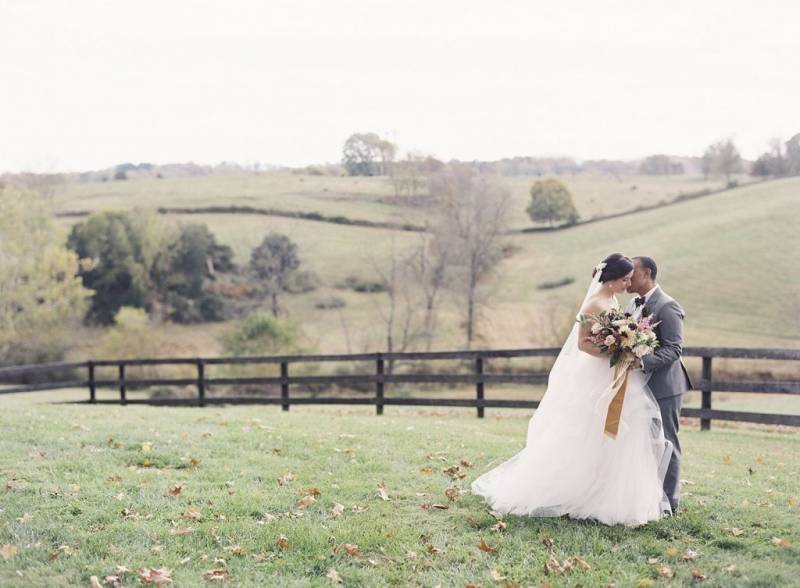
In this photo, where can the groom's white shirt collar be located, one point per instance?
(650, 293)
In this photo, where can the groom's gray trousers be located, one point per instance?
(670, 410)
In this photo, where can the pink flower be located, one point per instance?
(609, 340)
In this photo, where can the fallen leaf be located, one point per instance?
(697, 575)
(426, 471)
(305, 501)
(548, 541)
(352, 549)
(452, 494)
(551, 566)
(182, 531)
(689, 555)
(726, 459)
(175, 490)
(215, 574)
(282, 542)
(792, 501)
(483, 546)
(285, 478)
(497, 576)
(672, 551)
(455, 472)
(582, 563)
(312, 491)
(439, 506)
(8, 551)
(15, 484)
(333, 576)
(666, 572)
(25, 518)
(466, 464)
(94, 582)
(157, 576)
(734, 531)
(382, 491)
(68, 550)
(192, 515)
(147, 447)
(781, 542)
(337, 509)
(499, 526)
(645, 582)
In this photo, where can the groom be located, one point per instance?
(667, 376)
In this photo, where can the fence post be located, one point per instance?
(379, 385)
(92, 387)
(201, 383)
(479, 385)
(122, 398)
(284, 385)
(705, 423)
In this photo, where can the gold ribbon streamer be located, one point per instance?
(620, 387)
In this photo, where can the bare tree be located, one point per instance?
(428, 266)
(471, 222)
(400, 315)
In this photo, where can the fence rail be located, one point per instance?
(480, 377)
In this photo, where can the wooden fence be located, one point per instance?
(479, 377)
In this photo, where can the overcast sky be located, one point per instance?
(88, 84)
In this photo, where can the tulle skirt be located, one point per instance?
(569, 466)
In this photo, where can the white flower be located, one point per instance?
(596, 328)
(609, 340)
(641, 350)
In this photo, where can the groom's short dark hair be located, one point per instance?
(649, 263)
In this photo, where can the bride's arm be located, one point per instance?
(585, 331)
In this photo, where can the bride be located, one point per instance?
(568, 465)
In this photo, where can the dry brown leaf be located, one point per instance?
(483, 546)
(157, 576)
(8, 551)
(499, 526)
(551, 566)
(672, 551)
(15, 484)
(194, 462)
(666, 572)
(192, 514)
(382, 491)
(426, 471)
(285, 478)
(466, 464)
(68, 550)
(452, 494)
(548, 541)
(455, 472)
(175, 490)
(781, 542)
(333, 576)
(432, 549)
(352, 549)
(337, 509)
(645, 582)
(733, 531)
(305, 501)
(438, 506)
(690, 554)
(496, 515)
(313, 491)
(215, 574)
(182, 531)
(697, 575)
(726, 459)
(282, 542)
(582, 563)
(497, 576)
(94, 582)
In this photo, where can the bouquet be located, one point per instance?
(621, 337)
(624, 340)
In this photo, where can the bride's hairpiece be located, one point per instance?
(599, 268)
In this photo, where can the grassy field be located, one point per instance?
(196, 492)
(729, 258)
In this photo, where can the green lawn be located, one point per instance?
(87, 489)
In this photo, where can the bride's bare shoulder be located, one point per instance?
(594, 305)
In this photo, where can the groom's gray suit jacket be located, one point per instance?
(667, 374)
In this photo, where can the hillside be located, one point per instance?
(730, 258)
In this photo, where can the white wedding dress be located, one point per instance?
(569, 466)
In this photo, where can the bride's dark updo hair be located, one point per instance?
(617, 266)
